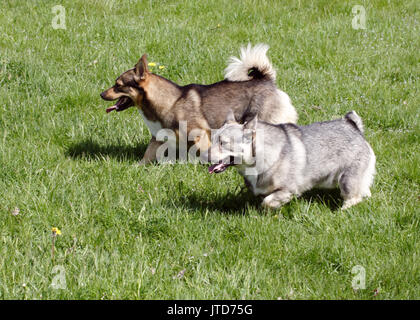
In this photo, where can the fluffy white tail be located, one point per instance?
(253, 63)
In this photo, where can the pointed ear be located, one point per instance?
(141, 67)
(252, 124)
(230, 118)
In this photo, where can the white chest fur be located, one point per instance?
(154, 126)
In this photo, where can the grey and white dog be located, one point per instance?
(285, 160)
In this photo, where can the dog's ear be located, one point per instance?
(141, 67)
(230, 118)
(252, 124)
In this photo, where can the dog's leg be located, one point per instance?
(367, 178)
(351, 202)
(350, 182)
(150, 154)
(277, 199)
(202, 143)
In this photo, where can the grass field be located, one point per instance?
(173, 230)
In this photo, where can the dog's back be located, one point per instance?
(247, 99)
(333, 145)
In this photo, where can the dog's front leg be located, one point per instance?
(277, 199)
(150, 154)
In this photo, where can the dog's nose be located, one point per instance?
(102, 95)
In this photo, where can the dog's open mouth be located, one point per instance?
(122, 104)
(220, 167)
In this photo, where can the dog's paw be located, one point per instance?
(351, 202)
(271, 204)
(276, 199)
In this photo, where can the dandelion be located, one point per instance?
(151, 64)
(161, 67)
(218, 25)
(55, 231)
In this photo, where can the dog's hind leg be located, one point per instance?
(368, 175)
(277, 199)
(356, 181)
(349, 183)
(150, 154)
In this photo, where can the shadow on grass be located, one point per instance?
(330, 198)
(233, 203)
(239, 203)
(90, 150)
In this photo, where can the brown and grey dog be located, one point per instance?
(249, 89)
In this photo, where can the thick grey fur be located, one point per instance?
(292, 159)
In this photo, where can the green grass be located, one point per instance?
(65, 163)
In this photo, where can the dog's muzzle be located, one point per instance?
(122, 104)
(221, 166)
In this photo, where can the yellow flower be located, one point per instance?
(218, 25)
(56, 231)
(161, 67)
(151, 64)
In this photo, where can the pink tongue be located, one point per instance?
(214, 167)
(108, 110)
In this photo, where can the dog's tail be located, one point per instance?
(354, 118)
(253, 64)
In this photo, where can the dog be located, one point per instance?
(285, 160)
(249, 89)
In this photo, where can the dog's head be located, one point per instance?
(232, 144)
(129, 87)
